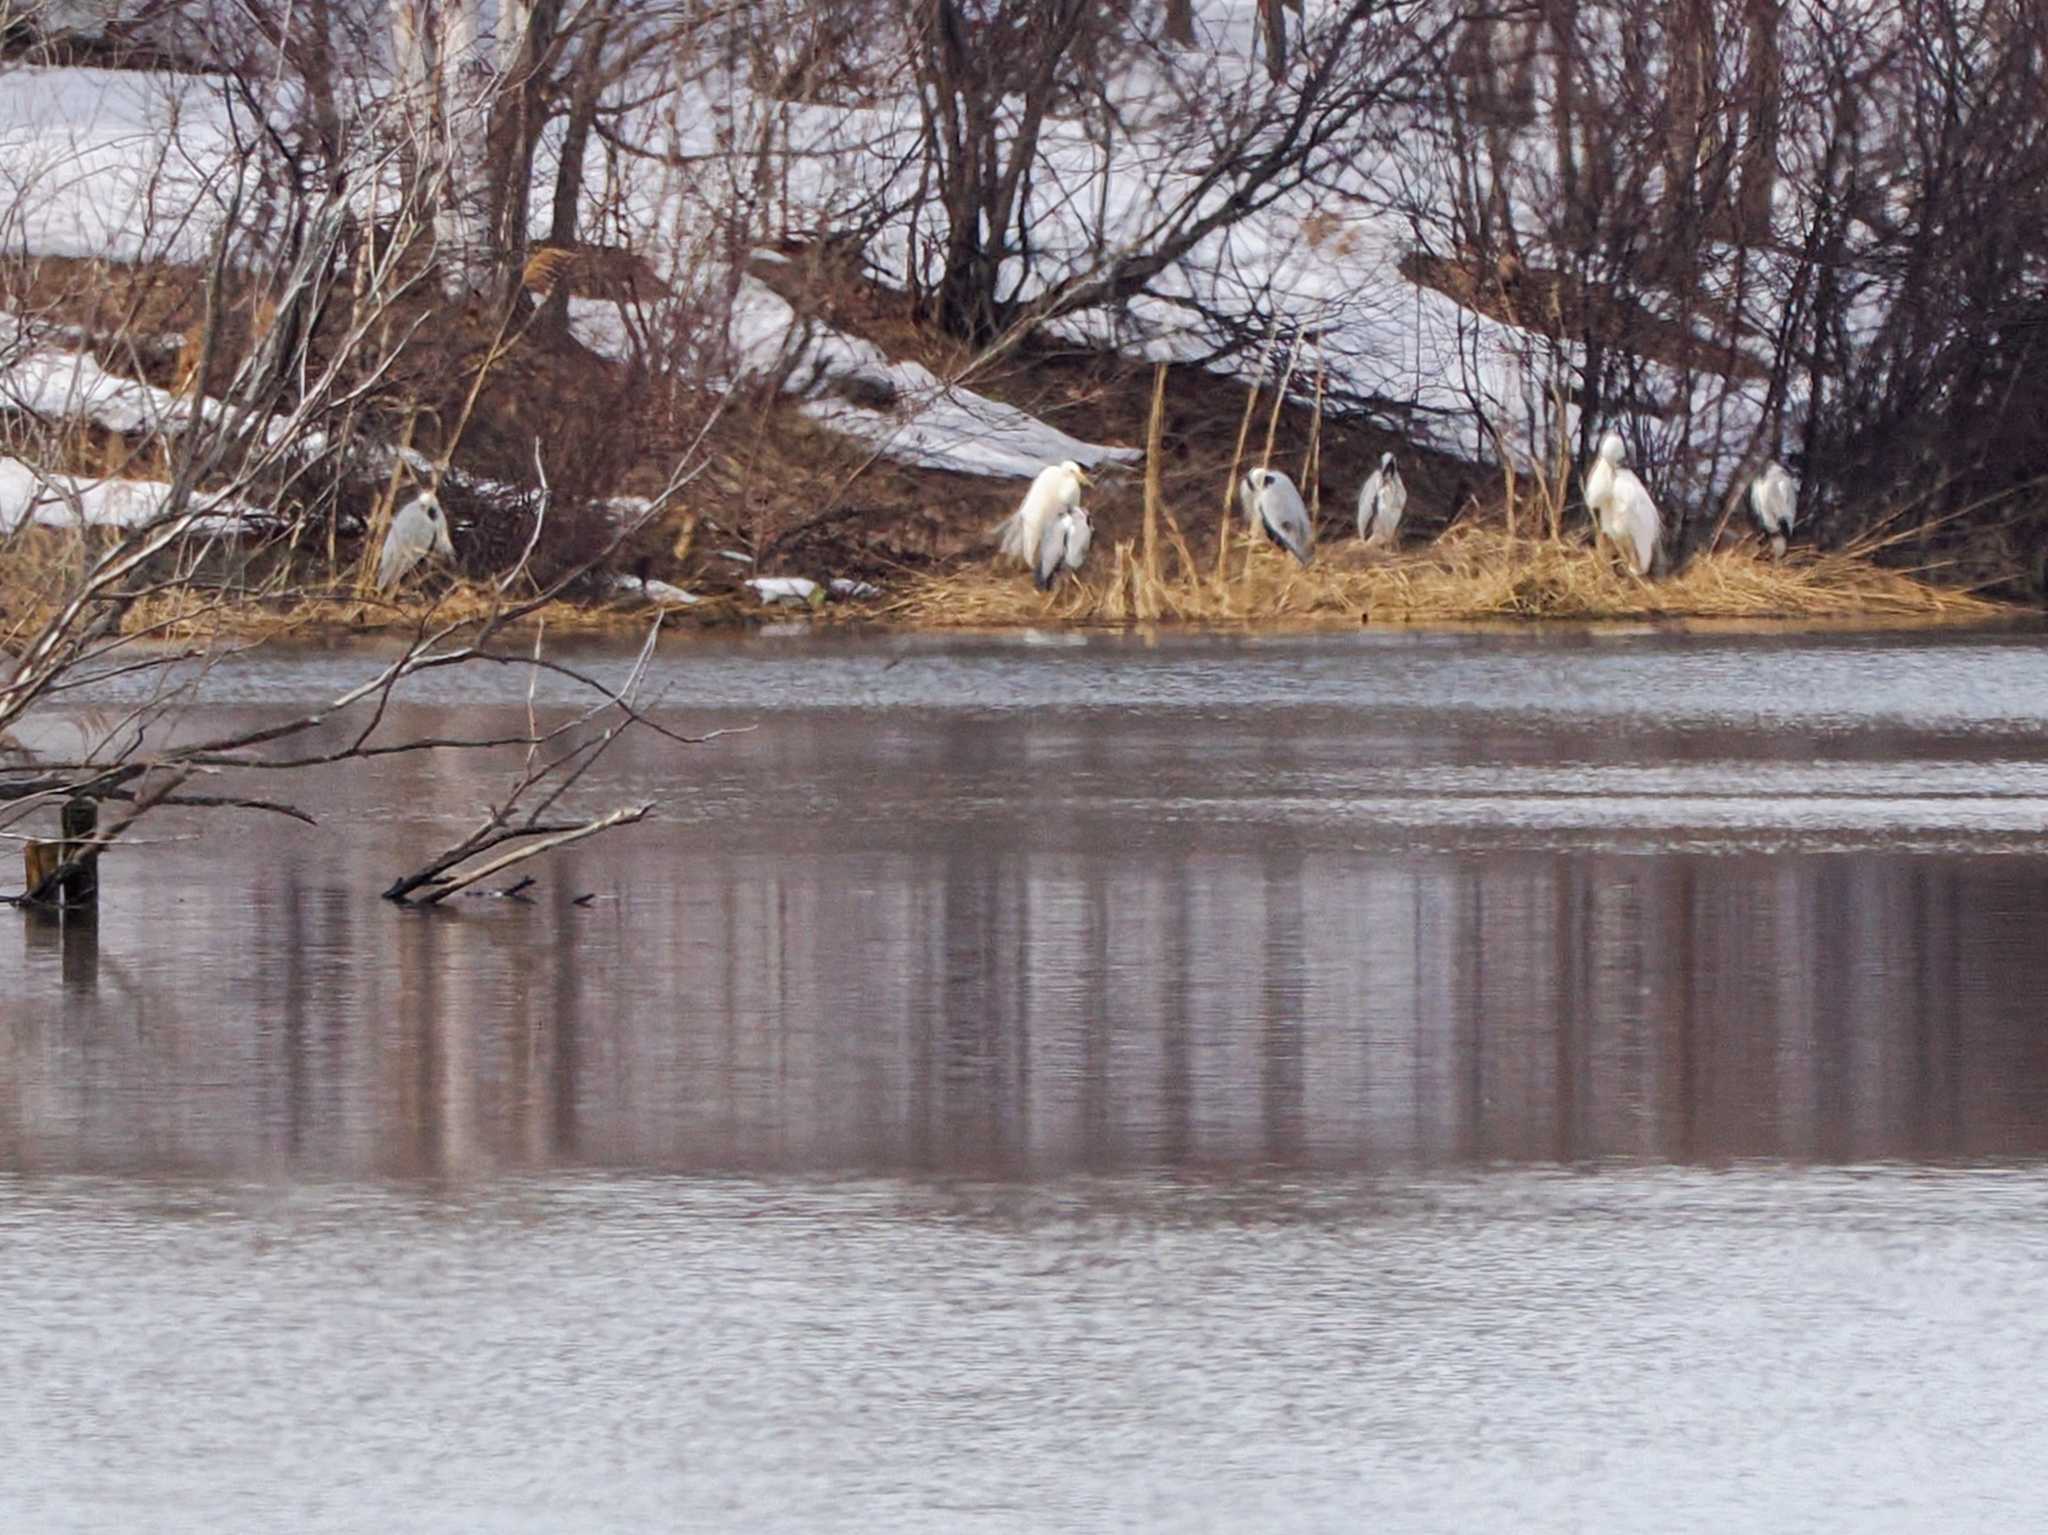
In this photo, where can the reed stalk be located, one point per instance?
(1251, 547)
(1155, 454)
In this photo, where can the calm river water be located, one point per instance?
(1402, 1081)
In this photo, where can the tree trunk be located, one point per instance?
(518, 112)
(1763, 94)
(434, 43)
(1275, 25)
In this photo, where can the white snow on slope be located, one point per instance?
(111, 164)
(81, 147)
(930, 423)
(59, 385)
(69, 501)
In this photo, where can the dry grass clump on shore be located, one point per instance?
(196, 611)
(1472, 573)
(466, 607)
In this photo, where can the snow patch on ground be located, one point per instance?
(114, 164)
(929, 422)
(799, 590)
(68, 501)
(61, 386)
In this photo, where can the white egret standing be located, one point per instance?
(1271, 502)
(1774, 498)
(1065, 544)
(1380, 505)
(1623, 507)
(419, 529)
(1057, 489)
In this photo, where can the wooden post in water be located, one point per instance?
(41, 860)
(81, 818)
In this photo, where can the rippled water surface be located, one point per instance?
(1416, 1081)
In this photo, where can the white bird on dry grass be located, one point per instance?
(1380, 505)
(1057, 490)
(1065, 543)
(1774, 498)
(1623, 508)
(419, 529)
(1271, 502)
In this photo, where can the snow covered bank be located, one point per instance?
(71, 501)
(928, 422)
(128, 166)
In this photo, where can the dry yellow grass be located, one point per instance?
(1473, 573)
(189, 613)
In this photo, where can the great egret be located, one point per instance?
(419, 529)
(1271, 502)
(1623, 507)
(1774, 498)
(1057, 489)
(1065, 543)
(1380, 505)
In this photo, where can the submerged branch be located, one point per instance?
(443, 888)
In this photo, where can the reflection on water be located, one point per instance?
(1020, 1015)
(922, 938)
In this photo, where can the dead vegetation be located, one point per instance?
(1473, 573)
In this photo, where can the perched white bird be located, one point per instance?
(1774, 498)
(1065, 544)
(1625, 512)
(1057, 489)
(1271, 502)
(419, 529)
(1380, 505)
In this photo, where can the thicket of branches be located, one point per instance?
(1792, 227)
(355, 298)
(1800, 227)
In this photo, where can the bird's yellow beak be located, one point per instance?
(1082, 476)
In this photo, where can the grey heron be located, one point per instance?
(1271, 502)
(1774, 498)
(419, 529)
(1064, 544)
(1380, 505)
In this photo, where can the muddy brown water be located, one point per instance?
(1432, 1081)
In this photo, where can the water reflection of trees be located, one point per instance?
(985, 1010)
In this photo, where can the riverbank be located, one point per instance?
(1469, 574)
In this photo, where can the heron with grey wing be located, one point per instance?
(418, 531)
(1271, 502)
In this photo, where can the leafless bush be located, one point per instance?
(1743, 227)
(321, 375)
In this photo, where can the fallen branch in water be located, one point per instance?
(443, 888)
(544, 780)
